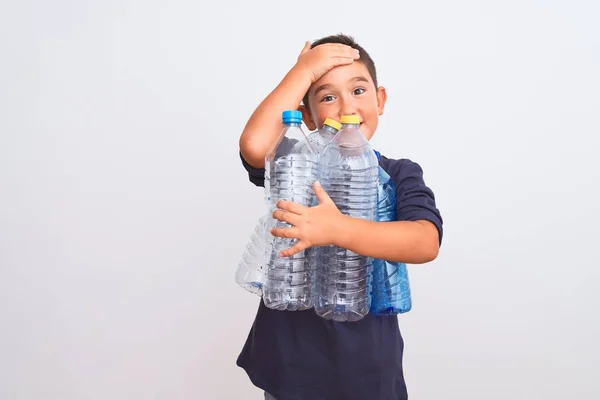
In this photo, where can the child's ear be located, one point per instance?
(381, 99)
(307, 118)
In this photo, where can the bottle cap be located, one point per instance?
(291, 117)
(332, 123)
(350, 119)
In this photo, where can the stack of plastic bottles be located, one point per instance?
(338, 283)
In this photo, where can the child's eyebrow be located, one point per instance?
(322, 87)
(359, 79)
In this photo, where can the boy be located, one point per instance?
(297, 355)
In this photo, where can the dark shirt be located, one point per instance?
(297, 355)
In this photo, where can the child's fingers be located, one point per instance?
(306, 48)
(339, 48)
(298, 247)
(321, 193)
(286, 216)
(291, 206)
(290, 233)
(341, 61)
(345, 51)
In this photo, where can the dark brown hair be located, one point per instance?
(365, 58)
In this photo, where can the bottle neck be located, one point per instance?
(330, 129)
(291, 124)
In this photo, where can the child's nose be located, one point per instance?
(348, 109)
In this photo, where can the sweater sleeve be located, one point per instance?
(414, 199)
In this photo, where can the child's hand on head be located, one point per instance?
(318, 61)
(311, 226)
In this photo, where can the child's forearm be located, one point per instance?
(264, 126)
(413, 242)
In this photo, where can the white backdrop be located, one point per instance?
(124, 208)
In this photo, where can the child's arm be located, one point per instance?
(413, 242)
(264, 126)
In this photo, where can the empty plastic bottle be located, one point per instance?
(290, 172)
(320, 138)
(391, 288)
(348, 171)
(252, 266)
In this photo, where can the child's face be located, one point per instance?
(346, 90)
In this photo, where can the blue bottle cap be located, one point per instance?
(291, 117)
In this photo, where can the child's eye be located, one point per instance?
(358, 91)
(327, 99)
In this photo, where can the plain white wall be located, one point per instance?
(124, 208)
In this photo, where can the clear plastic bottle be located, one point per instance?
(290, 172)
(251, 267)
(320, 138)
(348, 171)
(391, 288)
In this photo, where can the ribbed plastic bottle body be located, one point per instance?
(391, 289)
(348, 171)
(251, 268)
(318, 140)
(290, 172)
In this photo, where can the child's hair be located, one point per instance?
(365, 58)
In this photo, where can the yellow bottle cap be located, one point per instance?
(332, 123)
(350, 119)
